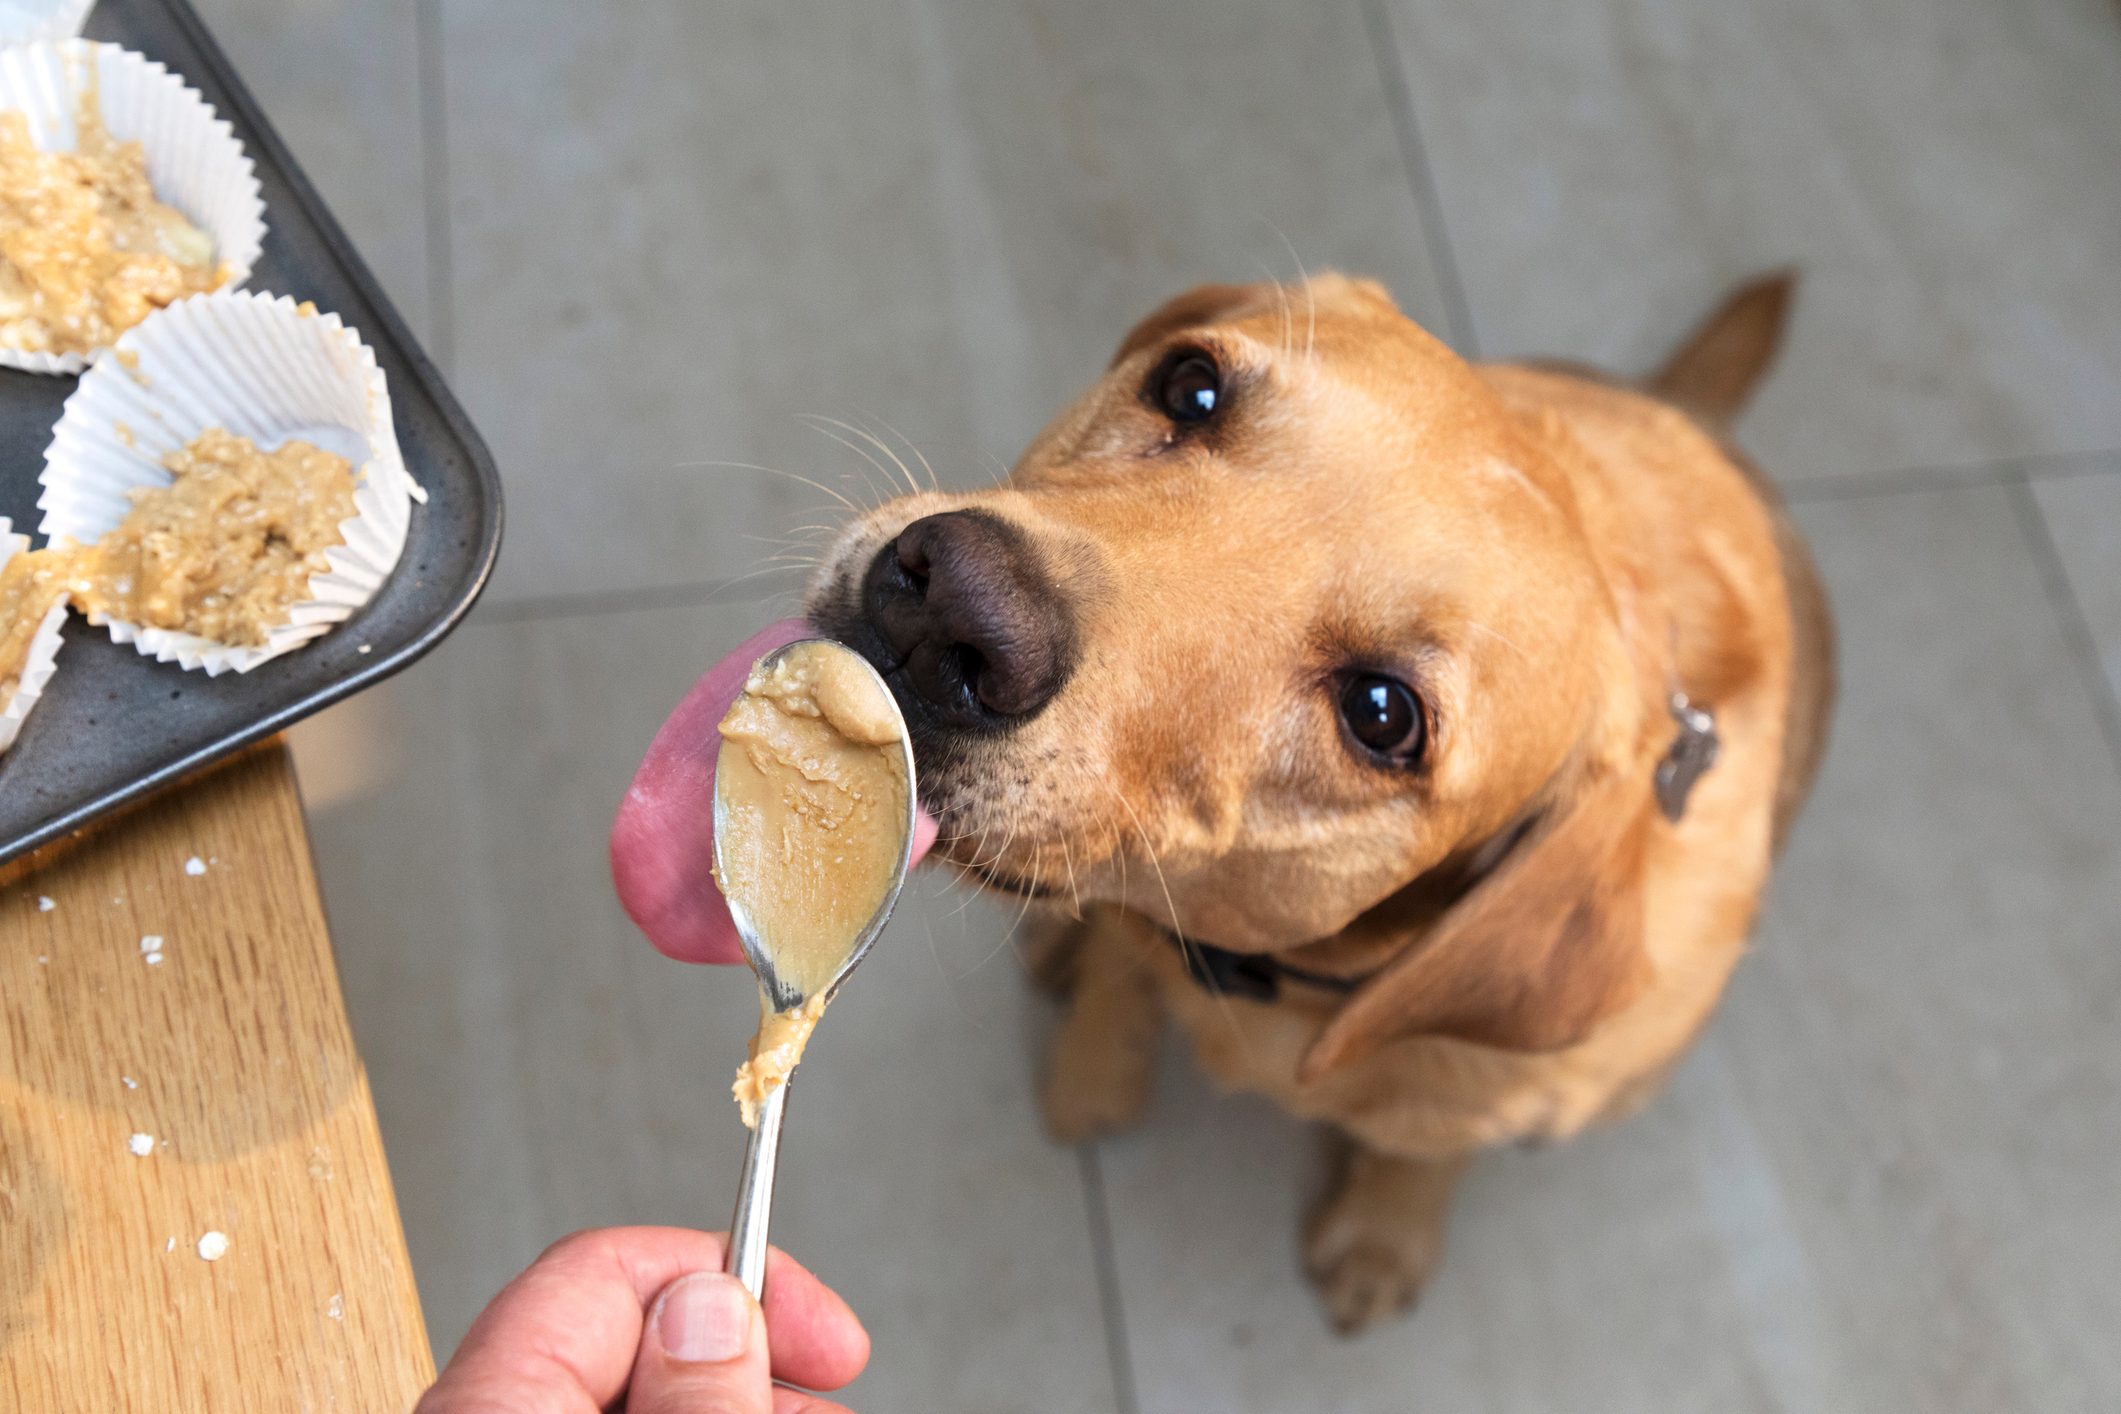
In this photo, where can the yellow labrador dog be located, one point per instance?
(1416, 735)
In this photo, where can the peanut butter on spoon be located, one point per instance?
(814, 821)
(813, 797)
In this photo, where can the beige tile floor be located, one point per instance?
(657, 234)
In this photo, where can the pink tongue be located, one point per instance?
(662, 844)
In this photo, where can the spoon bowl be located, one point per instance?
(783, 995)
(746, 1254)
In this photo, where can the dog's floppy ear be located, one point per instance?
(1203, 304)
(1540, 951)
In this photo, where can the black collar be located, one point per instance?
(1252, 976)
(1258, 977)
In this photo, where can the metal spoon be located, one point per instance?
(746, 1257)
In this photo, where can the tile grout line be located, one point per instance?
(1867, 486)
(2041, 466)
(1421, 178)
(434, 154)
(598, 602)
(2068, 609)
(1124, 1392)
(1907, 481)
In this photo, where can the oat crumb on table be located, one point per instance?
(45, 904)
(336, 1307)
(141, 1144)
(195, 866)
(213, 1246)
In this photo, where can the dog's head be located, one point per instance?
(1285, 624)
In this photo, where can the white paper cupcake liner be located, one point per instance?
(43, 660)
(193, 157)
(25, 21)
(263, 369)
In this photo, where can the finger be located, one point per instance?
(703, 1352)
(573, 1321)
(795, 1401)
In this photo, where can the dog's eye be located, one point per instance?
(1384, 715)
(1187, 387)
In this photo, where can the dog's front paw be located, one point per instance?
(1051, 951)
(1102, 1065)
(1363, 1284)
(1371, 1246)
(1098, 1078)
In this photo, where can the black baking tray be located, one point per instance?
(114, 725)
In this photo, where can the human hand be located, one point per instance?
(646, 1312)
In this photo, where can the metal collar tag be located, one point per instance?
(1689, 758)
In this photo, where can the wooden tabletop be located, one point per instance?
(229, 1062)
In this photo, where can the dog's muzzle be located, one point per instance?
(969, 622)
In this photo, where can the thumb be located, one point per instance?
(703, 1351)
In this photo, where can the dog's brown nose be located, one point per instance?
(966, 612)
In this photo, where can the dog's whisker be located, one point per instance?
(1119, 852)
(1011, 937)
(972, 1017)
(1037, 881)
(808, 544)
(773, 471)
(970, 872)
(1074, 893)
(898, 461)
(1281, 296)
(873, 496)
(1288, 322)
(784, 542)
(795, 555)
(818, 423)
(824, 424)
(974, 891)
(869, 498)
(1483, 628)
(1015, 816)
(1186, 948)
(1008, 940)
(1303, 278)
(1149, 848)
(935, 483)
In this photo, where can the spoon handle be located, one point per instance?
(746, 1258)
